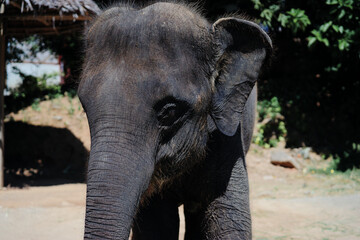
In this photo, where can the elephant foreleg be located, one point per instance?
(228, 216)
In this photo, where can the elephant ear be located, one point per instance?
(242, 48)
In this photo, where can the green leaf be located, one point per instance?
(341, 29)
(267, 14)
(348, 4)
(294, 19)
(326, 42)
(332, 2)
(325, 26)
(283, 19)
(257, 4)
(274, 8)
(317, 34)
(343, 44)
(335, 27)
(311, 41)
(342, 14)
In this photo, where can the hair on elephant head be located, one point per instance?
(166, 92)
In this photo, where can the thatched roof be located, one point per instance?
(24, 17)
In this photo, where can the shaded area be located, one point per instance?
(318, 106)
(38, 155)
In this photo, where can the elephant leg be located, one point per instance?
(158, 219)
(225, 217)
(228, 216)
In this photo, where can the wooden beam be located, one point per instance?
(2, 84)
(14, 4)
(21, 31)
(46, 23)
(32, 17)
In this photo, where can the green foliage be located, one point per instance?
(339, 29)
(71, 108)
(335, 23)
(349, 157)
(36, 85)
(36, 104)
(274, 15)
(333, 169)
(271, 127)
(315, 74)
(295, 19)
(68, 46)
(16, 53)
(31, 92)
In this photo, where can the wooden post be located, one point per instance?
(2, 83)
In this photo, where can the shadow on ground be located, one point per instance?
(42, 156)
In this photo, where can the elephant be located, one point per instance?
(170, 100)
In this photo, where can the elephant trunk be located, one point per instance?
(117, 177)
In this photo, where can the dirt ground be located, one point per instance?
(285, 203)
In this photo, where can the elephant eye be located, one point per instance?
(168, 113)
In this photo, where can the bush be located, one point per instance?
(31, 92)
(271, 126)
(315, 73)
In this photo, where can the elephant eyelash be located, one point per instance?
(170, 111)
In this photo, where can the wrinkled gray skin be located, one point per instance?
(167, 98)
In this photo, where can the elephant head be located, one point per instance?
(156, 82)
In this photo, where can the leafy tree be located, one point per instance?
(315, 73)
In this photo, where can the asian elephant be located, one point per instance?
(166, 94)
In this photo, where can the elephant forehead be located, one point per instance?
(161, 25)
(162, 15)
(175, 17)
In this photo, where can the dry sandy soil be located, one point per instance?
(285, 203)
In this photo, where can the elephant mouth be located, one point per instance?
(165, 173)
(169, 171)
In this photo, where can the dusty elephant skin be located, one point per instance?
(170, 100)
